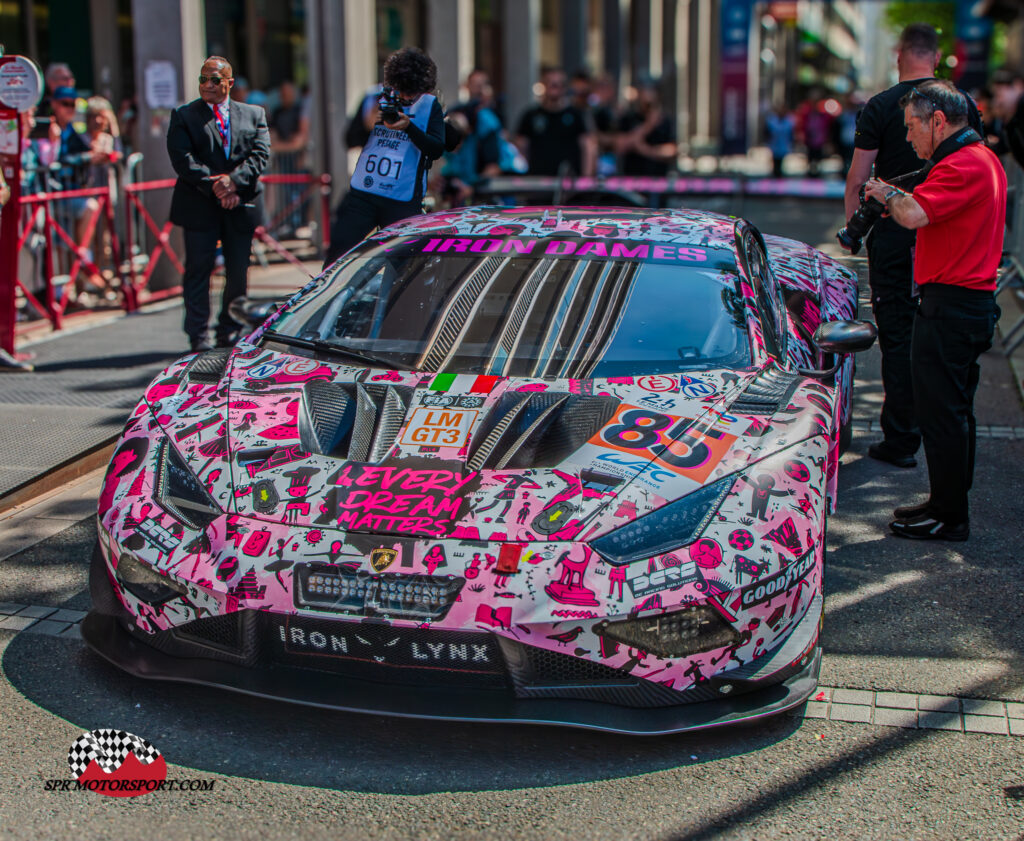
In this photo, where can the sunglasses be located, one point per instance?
(215, 79)
(915, 92)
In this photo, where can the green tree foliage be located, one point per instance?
(938, 13)
(942, 15)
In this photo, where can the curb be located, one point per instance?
(92, 459)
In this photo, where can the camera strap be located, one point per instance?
(964, 137)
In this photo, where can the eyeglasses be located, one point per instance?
(215, 79)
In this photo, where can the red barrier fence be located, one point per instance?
(132, 205)
(38, 211)
(57, 228)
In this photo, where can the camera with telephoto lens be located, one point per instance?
(870, 211)
(390, 105)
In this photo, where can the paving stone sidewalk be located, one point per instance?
(87, 380)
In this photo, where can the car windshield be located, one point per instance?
(565, 308)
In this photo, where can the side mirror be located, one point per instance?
(845, 336)
(252, 312)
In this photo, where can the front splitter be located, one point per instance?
(107, 638)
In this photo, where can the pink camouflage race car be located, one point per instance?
(554, 465)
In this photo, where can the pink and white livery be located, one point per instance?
(556, 465)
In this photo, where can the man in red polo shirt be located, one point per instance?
(959, 212)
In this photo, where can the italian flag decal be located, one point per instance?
(463, 383)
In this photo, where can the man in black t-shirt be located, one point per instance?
(554, 133)
(1008, 106)
(648, 136)
(881, 141)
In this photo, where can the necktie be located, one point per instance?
(222, 128)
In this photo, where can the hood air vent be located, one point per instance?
(766, 394)
(537, 429)
(525, 429)
(208, 367)
(351, 421)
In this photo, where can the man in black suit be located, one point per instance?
(218, 147)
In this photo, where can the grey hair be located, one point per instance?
(937, 95)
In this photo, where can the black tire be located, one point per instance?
(845, 436)
(100, 587)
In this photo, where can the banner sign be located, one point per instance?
(973, 41)
(736, 18)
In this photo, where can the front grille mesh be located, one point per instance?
(539, 673)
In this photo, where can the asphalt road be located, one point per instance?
(900, 616)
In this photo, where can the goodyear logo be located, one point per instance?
(770, 587)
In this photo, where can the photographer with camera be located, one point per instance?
(881, 141)
(958, 212)
(390, 176)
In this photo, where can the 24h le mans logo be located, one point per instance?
(116, 763)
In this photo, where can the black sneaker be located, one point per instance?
(928, 528)
(882, 452)
(911, 512)
(200, 345)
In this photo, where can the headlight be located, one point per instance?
(144, 582)
(181, 494)
(676, 634)
(664, 530)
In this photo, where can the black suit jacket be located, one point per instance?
(196, 152)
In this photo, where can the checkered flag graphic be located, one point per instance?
(109, 748)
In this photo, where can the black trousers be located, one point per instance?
(235, 236)
(894, 312)
(359, 213)
(953, 327)
(894, 302)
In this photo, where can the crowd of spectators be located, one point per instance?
(577, 127)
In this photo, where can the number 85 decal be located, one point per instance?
(665, 438)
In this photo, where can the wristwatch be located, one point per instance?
(895, 191)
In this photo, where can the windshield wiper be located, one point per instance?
(331, 348)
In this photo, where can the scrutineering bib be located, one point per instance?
(390, 161)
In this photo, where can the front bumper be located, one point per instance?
(483, 703)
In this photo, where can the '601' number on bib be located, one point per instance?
(384, 167)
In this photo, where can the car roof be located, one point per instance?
(682, 226)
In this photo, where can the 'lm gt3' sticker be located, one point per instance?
(441, 427)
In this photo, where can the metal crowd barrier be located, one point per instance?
(72, 229)
(296, 210)
(68, 237)
(1012, 277)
